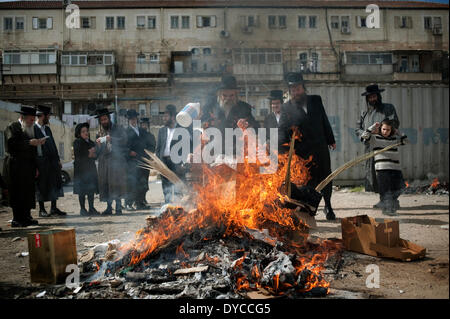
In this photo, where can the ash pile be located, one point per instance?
(211, 262)
(431, 186)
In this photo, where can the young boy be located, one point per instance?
(387, 164)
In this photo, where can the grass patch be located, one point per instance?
(357, 189)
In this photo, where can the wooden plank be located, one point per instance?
(186, 271)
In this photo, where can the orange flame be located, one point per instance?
(406, 184)
(435, 183)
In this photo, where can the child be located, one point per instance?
(387, 164)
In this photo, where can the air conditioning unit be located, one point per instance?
(437, 30)
(224, 34)
(345, 30)
(102, 95)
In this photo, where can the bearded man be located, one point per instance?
(376, 111)
(19, 168)
(306, 114)
(112, 151)
(49, 182)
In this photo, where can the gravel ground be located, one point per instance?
(423, 220)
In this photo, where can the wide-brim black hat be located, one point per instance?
(293, 78)
(276, 95)
(131, 113)
(42, 109)
(228, 82)
(27, 110)
(101, 112)
(79, 127)
(372, 89)
(171, 109)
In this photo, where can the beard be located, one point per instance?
(28, 130)
(300, 99)
(106, 126)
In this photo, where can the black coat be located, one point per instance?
(19, 167)
(270, 121)
(316, 135)
(85, 179)
(161, 145)
(49, 181)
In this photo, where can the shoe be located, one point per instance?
(32, 221)
(43, 213)
(108, 211)
(16, 223)
(141, 206)
(389, 211)
(378, 205)
(58, 212)
(84, 212)
(93, 211)
(329, 213)
(129, 207)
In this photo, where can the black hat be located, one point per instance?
(101, 112)
(42, 109)
(372, 89)
(79, 127)
(171, 109)
(145, 120)
(294, 78)
(27, 110)
(131, 113)
(276, 95)
(228, 82)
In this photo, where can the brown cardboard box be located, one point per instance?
(364, 235)
(50, 252)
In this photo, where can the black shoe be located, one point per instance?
(108, 211)
(329, 213)
(16, 223)
(141, 206)
(93, 211)
(84, 212)
(43, 213)
(32, 221)
(57, 211)
(119, 211)
(378, 205)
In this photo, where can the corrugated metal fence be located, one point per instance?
(423, 111)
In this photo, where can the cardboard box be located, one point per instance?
(50, 252)
(364, 235)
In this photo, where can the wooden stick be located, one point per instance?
(287, 181)
(352, 163)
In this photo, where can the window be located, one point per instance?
(20, 23)
(74, 59)
(140, 22)
(403, 22)
(154, 108)
(42, 23)
(141, 58)
(121, 23)
(303, 61)
(282, 22)
(369, 58)
(257, 56)
(206, 21)
(272, 22)
(85, 22)
(207, 51)
(312, 21)
(314, 67)
(334, 22)
(154, 58)
(361, 22)
(174, 22)
(185, 22)
(107, 59)
(302, 22)
(251, 21)
(345, 24)
(7, 24)
(109, 23)
(142, 109)
(427, 24)
(437, 22)
(151, 22)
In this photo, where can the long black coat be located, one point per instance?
(316, 135)
(19, 167)
(49, 181)
(137, 177)
(112, 170)
(85, 178)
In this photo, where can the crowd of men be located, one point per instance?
(32, 168)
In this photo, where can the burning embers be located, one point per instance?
(240, 230)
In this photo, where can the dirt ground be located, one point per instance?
(420, 217)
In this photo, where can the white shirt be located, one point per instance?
(170, 132)
(42, 128)
(135, 129)
(277, 116)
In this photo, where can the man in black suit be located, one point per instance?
(150, 145)
(163, 149)
(137, 178)
(272, 120)
(307, 114)
(49, 181)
